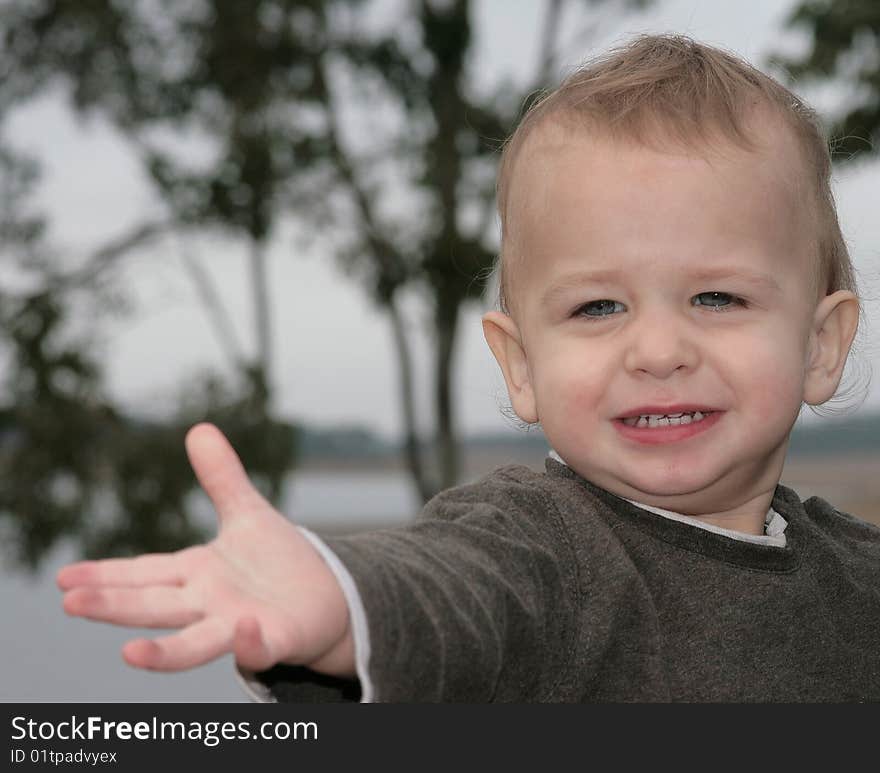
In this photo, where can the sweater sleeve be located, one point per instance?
(473, 602)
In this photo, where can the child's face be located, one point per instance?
(614, 309)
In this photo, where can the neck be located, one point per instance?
(747, 517)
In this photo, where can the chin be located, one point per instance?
(671, 484)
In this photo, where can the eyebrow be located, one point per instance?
(577, 279)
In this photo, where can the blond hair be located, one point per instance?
(669, 87)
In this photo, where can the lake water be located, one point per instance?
(49, 656)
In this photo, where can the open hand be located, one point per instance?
(259, 590)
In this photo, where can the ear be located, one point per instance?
(503, 337)
(834, 327)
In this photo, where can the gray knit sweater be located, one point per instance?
(529, 586)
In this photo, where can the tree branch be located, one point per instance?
(223, 327)
(104, 257)
(262, 316)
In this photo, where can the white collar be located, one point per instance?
(774, 523)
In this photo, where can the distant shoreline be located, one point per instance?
(489, 459)
(848, 481)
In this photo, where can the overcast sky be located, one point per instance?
(334, 358)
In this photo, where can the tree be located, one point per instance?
(153, 69)
(70, 461)
(844, 46)
(442, 152)
(237, 75)
(65, 453)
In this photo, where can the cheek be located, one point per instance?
(568, 382)
(769, 373)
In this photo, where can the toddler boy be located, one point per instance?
(674, 288)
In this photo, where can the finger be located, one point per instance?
(152, 569)
(195, 645)
(249, 646)
(157, 607)
(220, 472)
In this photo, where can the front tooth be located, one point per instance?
(656, 420)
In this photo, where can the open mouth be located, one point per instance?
(654, 429)
(666, 420)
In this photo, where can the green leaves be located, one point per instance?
(844, 49)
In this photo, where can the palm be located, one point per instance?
(259, 589)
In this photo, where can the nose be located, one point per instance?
(660, 343)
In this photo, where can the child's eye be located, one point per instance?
(720, 301)
(603, 308)
(714, 300)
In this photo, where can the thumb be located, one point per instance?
(220, 472)
(249, 646)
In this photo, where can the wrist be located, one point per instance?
(339, 660)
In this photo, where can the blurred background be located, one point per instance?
(278, 215)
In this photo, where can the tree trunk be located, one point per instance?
(218, 316)
(262, 325)
(446, 324)
(412, 452)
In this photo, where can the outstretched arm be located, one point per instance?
(259, 589)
